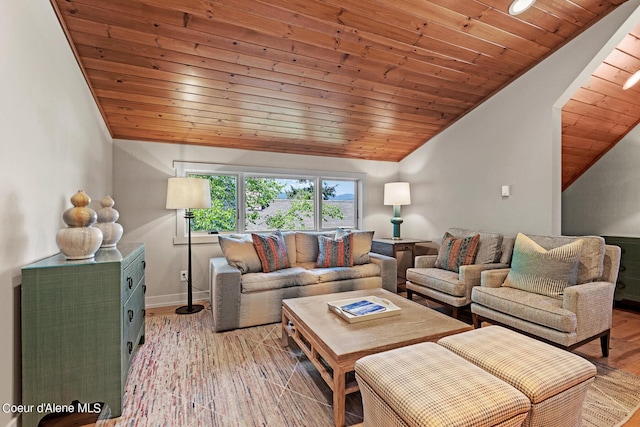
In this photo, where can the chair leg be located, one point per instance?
(604, 344)
(410, 294)
(477, 322)
(455, 312)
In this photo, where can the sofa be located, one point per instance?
(258, 271)
(484, 377)
(558, 289)
(446, 278)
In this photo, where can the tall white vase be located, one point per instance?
(79, 240)
(107, 217)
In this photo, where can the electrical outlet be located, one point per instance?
(183, 276)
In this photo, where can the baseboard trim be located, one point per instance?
(174, 299)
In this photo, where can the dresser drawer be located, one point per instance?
(132, 275)
(133, 322)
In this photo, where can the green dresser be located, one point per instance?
(628, 285)
(81, 322)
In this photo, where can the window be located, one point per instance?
(246, 199)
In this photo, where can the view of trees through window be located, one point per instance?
(276, 203)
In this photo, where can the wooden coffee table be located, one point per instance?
(328, 340)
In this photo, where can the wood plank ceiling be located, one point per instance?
(371, 79)
(601, 112)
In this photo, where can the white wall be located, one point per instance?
(53, 144)
(141, 170)
(606, 199)
(509, 140)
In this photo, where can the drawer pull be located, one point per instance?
(620, 285)
(144, 289)
(623, 268)
(144, 264)
(130, 346)
(144, 313)
(130, 282)
(130, 312)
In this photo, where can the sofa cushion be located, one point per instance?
(307, 246)
(444, 281)
(545, 272)
(336, 252)
(361, 244)
(455, 252)
(324, 275)
(591, 264)
(535, 308)
(284, 278)
(489, 247)
(239, 251)
(272, 251)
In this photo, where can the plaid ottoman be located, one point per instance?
(427, 385)
(554, 380)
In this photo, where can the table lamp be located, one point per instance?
(397, 194)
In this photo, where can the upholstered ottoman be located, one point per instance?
(427, 385)
(554, 380)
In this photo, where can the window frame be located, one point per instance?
(241, 172)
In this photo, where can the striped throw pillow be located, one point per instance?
(335, 252)
(455, 252)
(271, 250)
(545, 272)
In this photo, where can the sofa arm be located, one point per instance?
(593, 305)
(388, 270)
(494, 278)
(224, 291)
(425, 261)
(470, 274)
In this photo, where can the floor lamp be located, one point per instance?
(188, 193)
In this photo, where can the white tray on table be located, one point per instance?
(390, 309)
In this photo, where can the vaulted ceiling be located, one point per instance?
(369, 79)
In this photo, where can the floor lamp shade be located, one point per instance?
(397, 194)
(188, 193)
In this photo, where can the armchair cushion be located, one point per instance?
(531, 307)
(545, 272)
(489, 247)
(455, 252)
(444, 281)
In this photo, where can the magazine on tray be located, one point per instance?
(364, 308)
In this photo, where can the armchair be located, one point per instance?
(453, 288)
(568, 318)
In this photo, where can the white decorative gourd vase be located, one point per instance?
(79, 240)
(107, 217)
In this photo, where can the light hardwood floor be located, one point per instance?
(624, 351)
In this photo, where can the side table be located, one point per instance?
(403, 250)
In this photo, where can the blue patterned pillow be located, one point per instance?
(271, 250)
(335, 252)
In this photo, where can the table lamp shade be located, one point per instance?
(188, 193)
(397, 193)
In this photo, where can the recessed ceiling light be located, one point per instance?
(519, 6)
(635, 78)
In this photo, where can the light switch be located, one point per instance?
(506, 190)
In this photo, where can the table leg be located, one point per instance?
(284, 340)
(339, 397)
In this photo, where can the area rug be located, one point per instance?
(187, 375)
(612, 399)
